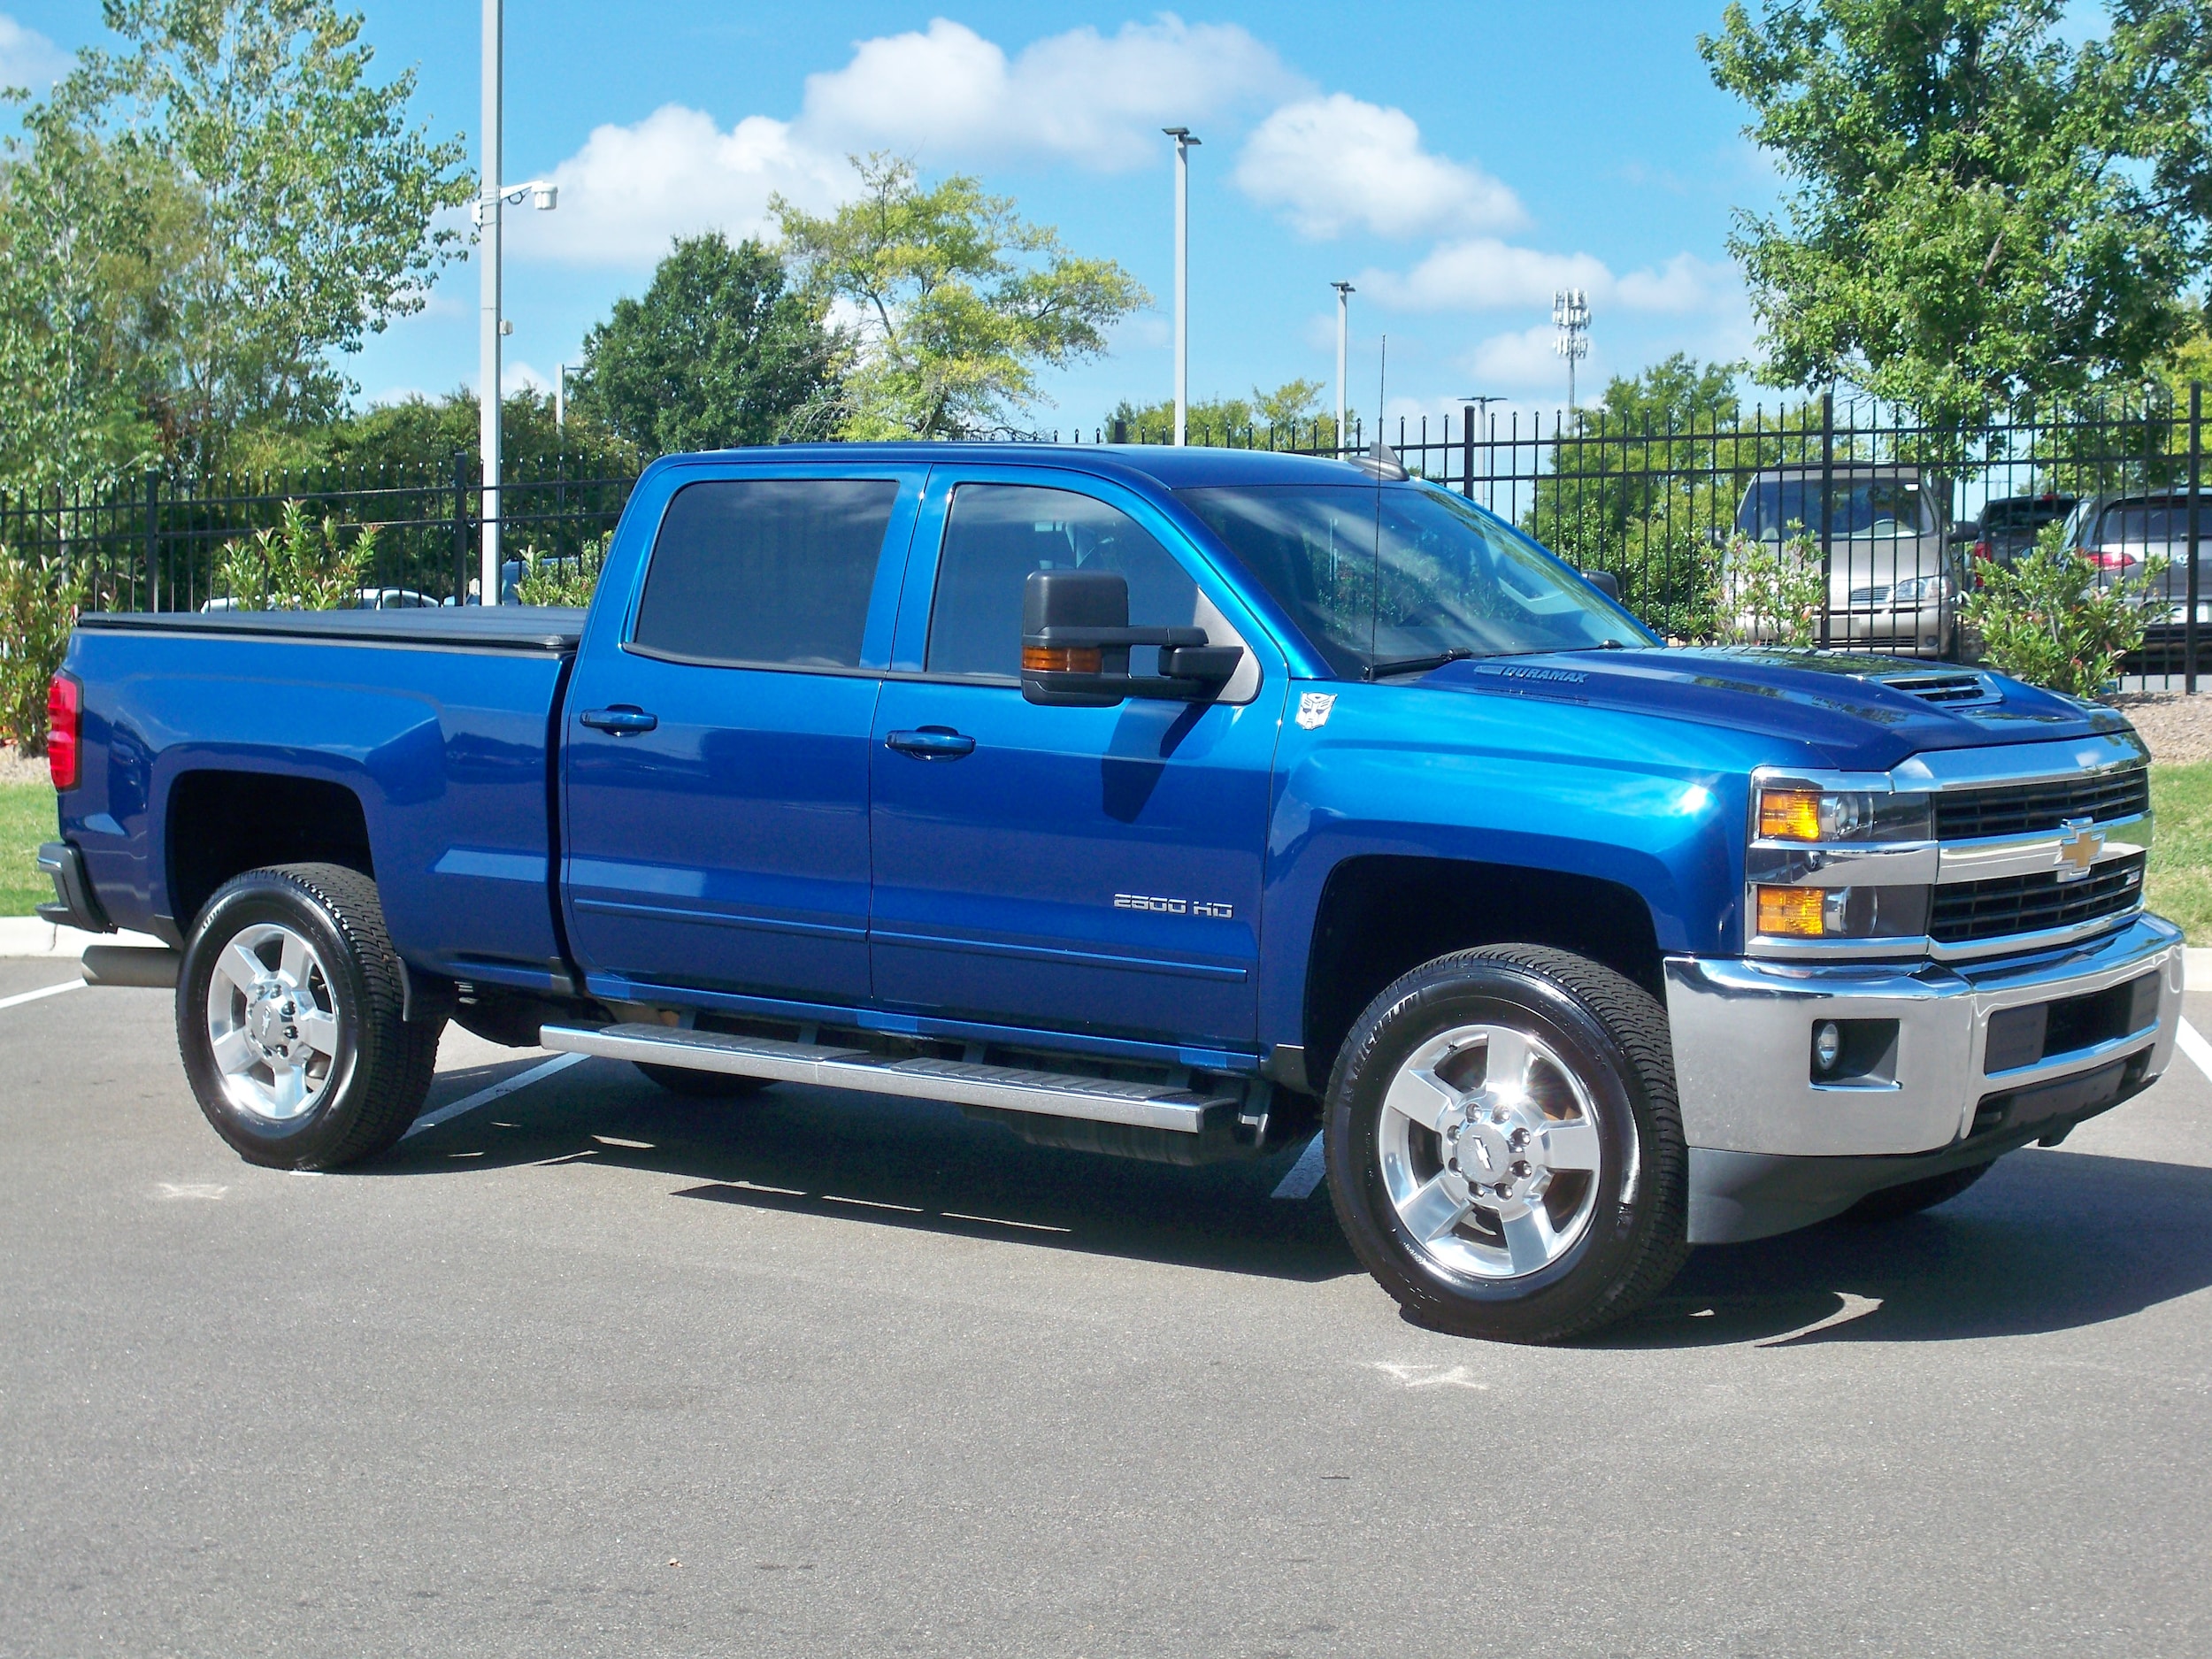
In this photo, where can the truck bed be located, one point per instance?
(215, 726)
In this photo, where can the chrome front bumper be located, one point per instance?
(1743, 1040)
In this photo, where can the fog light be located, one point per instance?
(1827, 1045)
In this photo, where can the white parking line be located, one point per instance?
(1306, 1174)
(2194, 1045)
(486, 1097)
(21, 997)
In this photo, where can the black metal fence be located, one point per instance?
(1847, 524)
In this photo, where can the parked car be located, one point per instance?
(2008, 525)
(1162, 802)
(1894, 578)
(2147, 532)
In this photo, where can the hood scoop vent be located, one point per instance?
(1946, 688)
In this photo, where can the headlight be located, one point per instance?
(1795, 814)
(1856, 912)
(1922, 590)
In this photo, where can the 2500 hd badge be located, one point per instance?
(1175, 907)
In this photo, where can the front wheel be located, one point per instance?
(1504, 1146)
(289, 1020)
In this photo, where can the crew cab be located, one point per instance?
(1165, 802)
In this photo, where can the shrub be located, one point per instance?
(569, 579)
(299, 565)
(1771, 592)
(2046, 620)
(39, 601)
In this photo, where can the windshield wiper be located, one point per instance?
(1419, 665)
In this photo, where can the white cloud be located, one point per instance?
(27, 58)
(1484, 273)
(947, 93)
(1522, 360)
(630, 189)
(1336, 163)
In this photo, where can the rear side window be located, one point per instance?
(768, 573)
(996, 533)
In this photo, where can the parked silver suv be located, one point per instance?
(2131, 537)
(1893, 577)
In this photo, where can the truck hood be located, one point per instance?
(1858, 713)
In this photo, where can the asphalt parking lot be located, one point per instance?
(590, 1370)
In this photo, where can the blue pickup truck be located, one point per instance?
(1171, 803)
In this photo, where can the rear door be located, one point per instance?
(717, 755)
(1085, 870)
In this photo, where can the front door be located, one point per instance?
(1091, 870)
(717, 755)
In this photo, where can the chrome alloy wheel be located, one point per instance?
(1489, 1148)
(272, 1022)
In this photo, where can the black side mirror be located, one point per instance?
(1605, 582)
(1076, 640)
(1965, 533)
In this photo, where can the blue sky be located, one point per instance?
(1459, 162)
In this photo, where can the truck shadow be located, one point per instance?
(2048, 1240)
(910, 1165)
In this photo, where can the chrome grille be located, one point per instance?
(2030, 808)
(1968, 911)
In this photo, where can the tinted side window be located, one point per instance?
(996, 533)
(770, 571)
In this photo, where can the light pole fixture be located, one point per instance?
(1183, 143)
(1571, 314)
(492, 197)
(1344, 291)
(1481, 412)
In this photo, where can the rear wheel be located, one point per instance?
(288, 1019)
(1504, 1149)
(682, 1079)
(1891, 1202)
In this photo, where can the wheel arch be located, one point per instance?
(221, 822)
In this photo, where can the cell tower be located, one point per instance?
(1570, 311)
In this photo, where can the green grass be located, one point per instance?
(2180, 880)
(27, 818)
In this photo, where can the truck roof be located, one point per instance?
(1186, 468)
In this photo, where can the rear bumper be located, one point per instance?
(72, 905)
(1743, 1034)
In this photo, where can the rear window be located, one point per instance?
(2150, 523)
(2026, 515)
(766, 573)
(1779, 509)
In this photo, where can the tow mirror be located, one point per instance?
(1605, 582)
(1076, 640)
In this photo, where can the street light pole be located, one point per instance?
(1183, 143)
(1344, 291)
(488, 301)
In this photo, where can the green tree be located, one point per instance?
(961, 301)
(76, 306)
(719, 352)
(1291, 413)
(302, 200)
(1978, 212)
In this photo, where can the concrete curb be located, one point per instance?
(28, 936)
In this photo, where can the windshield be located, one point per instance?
(1778, 508)
(1379, 575)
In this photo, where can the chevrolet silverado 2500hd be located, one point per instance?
(1165, 802)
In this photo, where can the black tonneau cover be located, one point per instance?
(466, 628)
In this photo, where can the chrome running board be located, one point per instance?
(963, 1083)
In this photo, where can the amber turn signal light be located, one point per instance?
(1063, 659)
(1789, 815)
(1793, 912)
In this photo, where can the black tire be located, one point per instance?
(695, 1084)
(381, 1066)
(1613, 1037)
(1892, 1202)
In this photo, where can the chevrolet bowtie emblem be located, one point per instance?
(2077, 848)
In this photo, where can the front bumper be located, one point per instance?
(1743, 1039)
(1771, 1150)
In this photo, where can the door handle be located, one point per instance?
(932, 742)
(622, 721)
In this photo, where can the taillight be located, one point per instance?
(64, 722)
(2107, 561)
(1981, 550)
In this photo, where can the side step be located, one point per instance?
(1001, 1087)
